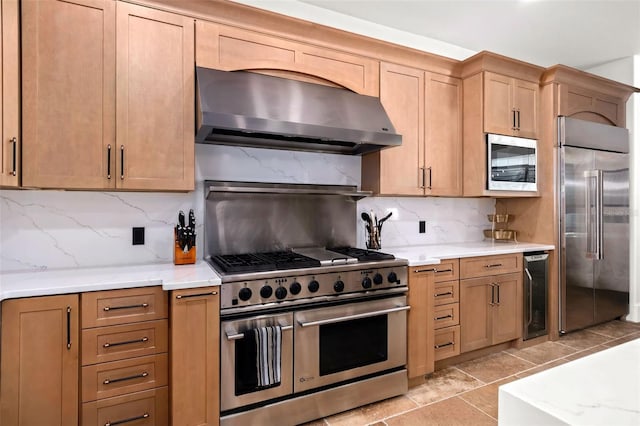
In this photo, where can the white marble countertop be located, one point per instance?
(61, 281)
(599, 389)
(431, 254)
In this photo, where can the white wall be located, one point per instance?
(627, 70)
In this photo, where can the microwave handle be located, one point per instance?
(352, 317)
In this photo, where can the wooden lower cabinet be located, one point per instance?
(420, 355)
(39, 365)
(195, 357)
(490, 310)
(146, 408)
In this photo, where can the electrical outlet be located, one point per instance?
(137, 236)
(422, 227)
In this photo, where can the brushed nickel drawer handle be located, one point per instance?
(130, 419)
(113, 308)
(180, 296)
(444, 345)
(443, 270)
(448, 293)
(14, 141)
(494, 265)
(417, 271)
(128, 342)
(444, 317)
(122, 379)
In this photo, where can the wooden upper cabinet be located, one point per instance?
(9, 93)
(70, 96)
(39, 361)
(399, 170)
(155, 93)
(510, 106)
(426, 109)
(231, 49)
(443, 135)
(68, 93)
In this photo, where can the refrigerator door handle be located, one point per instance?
(599, 215)
(591, 222)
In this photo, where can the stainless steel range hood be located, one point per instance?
(249, 109)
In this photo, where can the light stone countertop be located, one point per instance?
(64, 281)
(598, 389)
(433, 253)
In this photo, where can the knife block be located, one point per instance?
(179, 256)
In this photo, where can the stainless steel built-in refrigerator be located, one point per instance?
(594, 222)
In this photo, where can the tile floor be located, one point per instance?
(467, 394)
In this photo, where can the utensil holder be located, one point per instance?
(180, 257)
(373, 239)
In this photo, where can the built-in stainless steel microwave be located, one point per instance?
(511, 163)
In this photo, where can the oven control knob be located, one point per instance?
(313, 286)
(338, 286)
(366, 282)
(295, 288)
(393, 278)
(281, 293)
(244, 294)
(377, 279)
(266, 292)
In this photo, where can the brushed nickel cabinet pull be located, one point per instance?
(130, 419)
(444, 317)
(440, 271)
(417, 271)
(518, 111)
(109, 161)
(424, 179)
(498, 292)
(14, 169)
(448, 293)
(184, 296)
(513, 119)
(493, 265)
(114, 308)
(493, 295)
(127, 342)
(122, 379)
(68, 327)
(444, 345)
(122, 162)
(429, 168)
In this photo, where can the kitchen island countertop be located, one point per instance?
(64, 281)
(433, 253)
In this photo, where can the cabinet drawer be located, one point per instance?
(447, 292)
(490, 265)
(146, 408)
(447, 270)
(446, 342)
(116, 378)
(100, 308)
(446, 316)
(123, 341)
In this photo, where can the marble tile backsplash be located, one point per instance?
(44, 229)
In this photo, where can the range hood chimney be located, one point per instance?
(249, 109)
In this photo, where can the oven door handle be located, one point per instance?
(238, 336)
(352, 317)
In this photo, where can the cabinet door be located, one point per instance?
(443, 135)
(195, 349)
(155, 99)
(39, 361)
(476, 312)
(9, 94)
(507, 316)
(499, 116)
(402, 95)
(68, 87)
(525, 101)
(420, 351)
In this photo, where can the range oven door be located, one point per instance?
(238, 361)
(344, 342)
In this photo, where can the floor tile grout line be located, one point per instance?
(479, 409)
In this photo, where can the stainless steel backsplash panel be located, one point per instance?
(266, 217)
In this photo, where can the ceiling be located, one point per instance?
(578, 33)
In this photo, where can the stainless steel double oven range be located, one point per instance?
(286, 256)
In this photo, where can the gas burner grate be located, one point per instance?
(361, 254)
(259, 262)
(290, 260)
